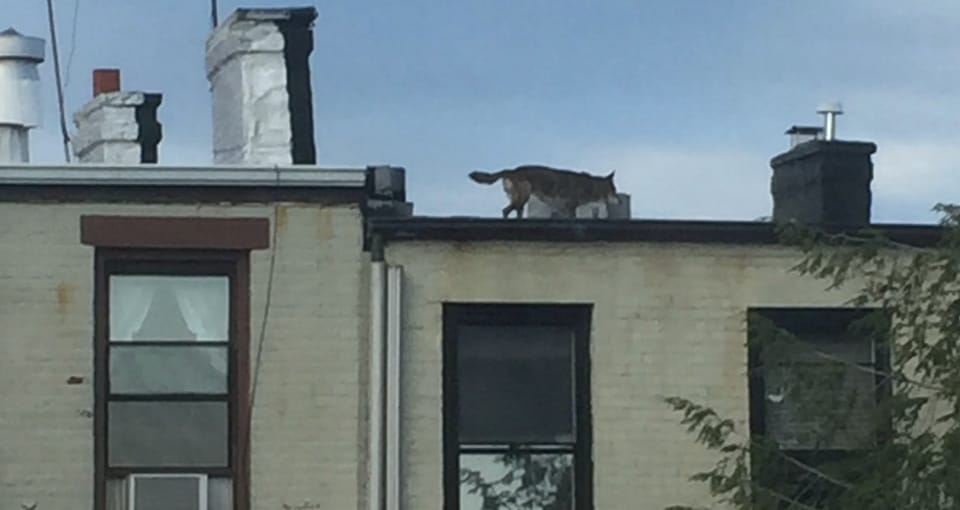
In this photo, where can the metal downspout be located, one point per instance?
(394, 315)
(375, 417)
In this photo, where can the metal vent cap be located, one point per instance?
(14, 45)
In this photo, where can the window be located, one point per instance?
(168, 395)
(817, 377)
(171, 360)
(516, 407)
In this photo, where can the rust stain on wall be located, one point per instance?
(325, 230)
(282, 218)
(64, 298)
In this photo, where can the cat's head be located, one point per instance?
(610, 189)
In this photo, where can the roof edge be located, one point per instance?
(627, 230)
(202, 176)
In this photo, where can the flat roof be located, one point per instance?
(422, 228)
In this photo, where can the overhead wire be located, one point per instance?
(56, 71)
(73, 43)
(266, 308)
(255, 380)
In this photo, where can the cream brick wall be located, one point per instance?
(306, 443)
(669, 319)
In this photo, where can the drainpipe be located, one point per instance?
(394, 314)
(376, 404)
(383, 457)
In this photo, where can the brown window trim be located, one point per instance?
(238, 264)
(175, 232)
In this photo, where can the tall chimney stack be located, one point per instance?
(257, 65)
(117, 127)
(824, 181)
(20, 104)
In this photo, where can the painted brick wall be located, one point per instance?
(669, 319)
(307, 411)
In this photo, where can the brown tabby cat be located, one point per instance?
(564, 190)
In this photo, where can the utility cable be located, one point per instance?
(266, 307)
(56, 71)
(248, 419)
(73, 44)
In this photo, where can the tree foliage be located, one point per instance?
(523, 481)
(908, 454)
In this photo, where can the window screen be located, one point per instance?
(516, 384)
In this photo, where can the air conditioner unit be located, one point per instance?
(156, 491)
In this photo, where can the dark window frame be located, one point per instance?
(175, 262)
(800, 320)
(575, 316)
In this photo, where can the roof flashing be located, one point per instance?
(300, 176)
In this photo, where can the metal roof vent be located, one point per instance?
(830, 112)
(20, 104)
(801, 134)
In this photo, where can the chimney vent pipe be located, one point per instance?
(830, 112)
(20, 104)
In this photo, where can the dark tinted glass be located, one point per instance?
(167, 369)
(167, 493)
(167, 434)
(823, 405)
(515, 384)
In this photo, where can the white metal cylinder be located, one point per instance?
(830, 112)
(20, 94)
(20, 104)
(830, 127)
(14, 144)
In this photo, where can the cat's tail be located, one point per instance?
(486, 177)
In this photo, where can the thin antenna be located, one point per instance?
(56, 71)
(214, 16)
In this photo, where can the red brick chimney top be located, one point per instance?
(105, 80)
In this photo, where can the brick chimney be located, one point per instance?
(824, 181)
(117, 127)
(257, 65)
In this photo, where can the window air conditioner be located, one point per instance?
(162, 491)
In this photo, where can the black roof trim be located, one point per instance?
(594, 230)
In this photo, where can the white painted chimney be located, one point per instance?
(20, 104)
(117, 127)
(257, 65)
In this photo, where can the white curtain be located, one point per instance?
(130, 300)
(204, 305)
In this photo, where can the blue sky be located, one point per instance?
(687, 100)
